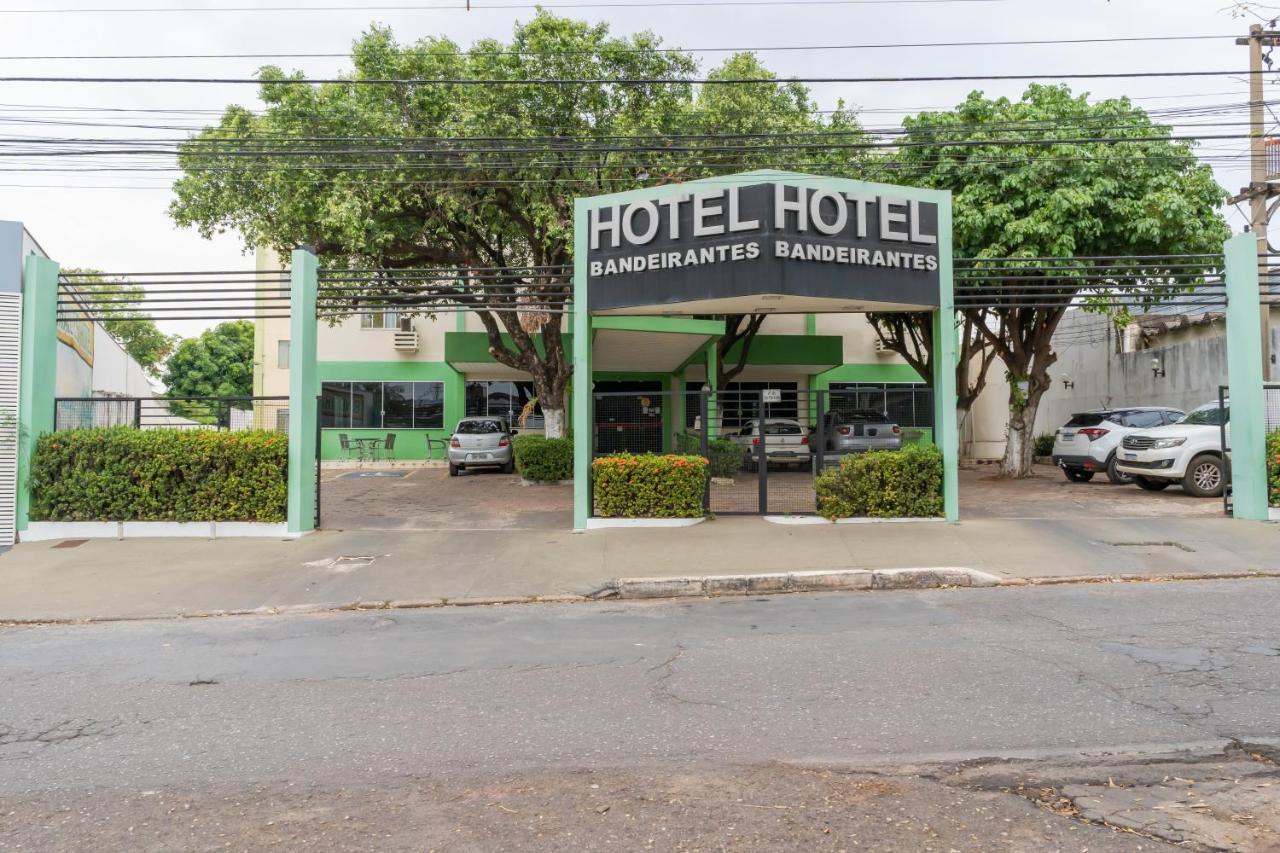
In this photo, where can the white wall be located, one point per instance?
(115, 373)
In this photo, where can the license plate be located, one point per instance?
(1130, 456)
(479, 455)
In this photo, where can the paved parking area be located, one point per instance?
(429, 499)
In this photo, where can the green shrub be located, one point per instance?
(649, 486)
(1273, 468)
(903, 483)
(725, 455)
(543, 460)
(1043, 445)
(125, 474)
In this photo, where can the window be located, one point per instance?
(282, 355)
(1143, 419)
(906, 404)
(382, 405)
(479, 427)
(502, 399)
(379, 320)
(741, 402)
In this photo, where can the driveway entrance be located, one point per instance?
(429, 499)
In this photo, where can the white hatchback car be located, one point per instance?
(1188, 452)
(786, 442)
(1089, 441)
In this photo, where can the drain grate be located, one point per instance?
(385, 475)
(1177, 545)
(71, 543)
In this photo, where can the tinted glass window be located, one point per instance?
(366, 404)
(335, 404)
(782, 429)
(428, 405)
(397, 403)
(1086, 420)
(479, 427)
(1209, 416)
(1143, 419)
(1173, 417)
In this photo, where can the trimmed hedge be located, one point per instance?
(1273, 468)
(542, 459)
(903, 483)
(1043, 445)
(725, 455)
(126, 474)
(649, 486)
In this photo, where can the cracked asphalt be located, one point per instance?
(408, 726)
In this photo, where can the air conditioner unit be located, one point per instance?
(406, 339)
(881, 349)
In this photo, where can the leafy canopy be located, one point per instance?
(218, 363)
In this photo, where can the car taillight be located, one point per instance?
(755, 441)
(897, 430)
(455, 443)
(504, 441)
(844, 430)
(1094, 433)
(804, 439)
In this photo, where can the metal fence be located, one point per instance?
(765, 446)
(1271, 415)
(216, 413)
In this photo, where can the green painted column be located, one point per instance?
(1244, 374)
(946, 430)
(37, 370)
(304, 388)
(582, 414)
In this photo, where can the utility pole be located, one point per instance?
(1262, 183)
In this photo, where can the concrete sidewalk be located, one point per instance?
(155, 577)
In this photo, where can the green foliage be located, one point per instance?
(390, 202)
(219, 363)
(138, 334)
(543, 460)
(903, 483)
(124, 474)
(1273, 468)
(649, 486)
(725, 455)
(1044, 444)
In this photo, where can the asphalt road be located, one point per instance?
(546, 698)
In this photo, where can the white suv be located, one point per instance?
(1189, 452)
(1088, 442)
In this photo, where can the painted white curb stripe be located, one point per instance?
(602, 523)
(43, 531)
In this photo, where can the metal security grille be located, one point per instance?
(217, 413)
(764, 446)
(10, 334)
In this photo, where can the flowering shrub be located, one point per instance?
(125, 474)
(1273, 468)
(649, 486)
(903, 483)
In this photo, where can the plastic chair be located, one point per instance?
(345, 443)
(433, 443)
(389, 447)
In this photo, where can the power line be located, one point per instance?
(623, 81)
(473, 6)
(642, 50)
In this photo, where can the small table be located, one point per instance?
(366, 446)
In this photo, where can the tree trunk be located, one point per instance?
(553, 420)
(550, 391)
(1019, 448)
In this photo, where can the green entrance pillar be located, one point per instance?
(946, 432)
(37, 370)
(583, 411)
(1244, 374)
(304, 389)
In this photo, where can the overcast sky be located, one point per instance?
(121, 224)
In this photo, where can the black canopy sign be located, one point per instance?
(771, 246)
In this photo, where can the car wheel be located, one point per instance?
(1076, 475)
(1204, 477)
(1149, 485)
(1116, 476)
(510, 467)
(453, 470)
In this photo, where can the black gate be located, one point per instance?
(764, 446)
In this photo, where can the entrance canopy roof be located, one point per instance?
(649, 344)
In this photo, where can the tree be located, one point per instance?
(910, 335)
(459, 177)
(137, 333)
(218, 363)
(1045, 177)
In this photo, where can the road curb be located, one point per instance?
(700, 586)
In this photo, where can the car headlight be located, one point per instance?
(1162, 443)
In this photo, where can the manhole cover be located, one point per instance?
(71, 543)
(389, 475)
